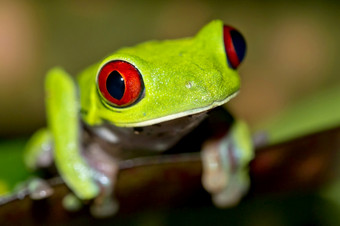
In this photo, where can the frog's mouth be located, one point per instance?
(180, 114)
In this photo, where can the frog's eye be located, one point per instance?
(120, 83)
(235, 46)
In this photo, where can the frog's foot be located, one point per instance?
(104, 208)
(105, 172)
(72, 203)
(260, 139)
(220, 175)
(39, 189)
(225, 168)
(231, 194)
(38, 151)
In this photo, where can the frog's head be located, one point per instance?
(162, 80)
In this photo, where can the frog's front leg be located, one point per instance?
(83, 177)
(225, 165)
(63, 121)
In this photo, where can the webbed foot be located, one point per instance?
(39, 189)
(105, 171)
(225, 166)
(104, 208)
(38, 152)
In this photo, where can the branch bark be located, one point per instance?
(302, 164)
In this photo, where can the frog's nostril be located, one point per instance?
(188, 85)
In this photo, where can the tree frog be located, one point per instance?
(153, 98)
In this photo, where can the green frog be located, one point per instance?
(157, 97)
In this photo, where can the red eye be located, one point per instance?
(235, 46)
(120, 83)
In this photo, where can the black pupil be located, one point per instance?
(115, 85)
(239, 44)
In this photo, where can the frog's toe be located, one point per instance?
(108, 207)
(225, 166)
(39, 150)
(105, 171)
(214, 178)
(232, 194)
(72, 203)
(45, 159)
(225, 182)
(39, 189)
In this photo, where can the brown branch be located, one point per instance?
(166, 182)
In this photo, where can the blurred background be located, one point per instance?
(292, 51)
(292, 47)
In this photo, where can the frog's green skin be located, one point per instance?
(181, 78)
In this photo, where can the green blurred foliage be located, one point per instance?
(12, 165)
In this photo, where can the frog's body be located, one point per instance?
(146, 140)
(148, 99)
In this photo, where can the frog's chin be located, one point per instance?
(181, 114)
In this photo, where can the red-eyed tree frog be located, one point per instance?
(153, 98)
